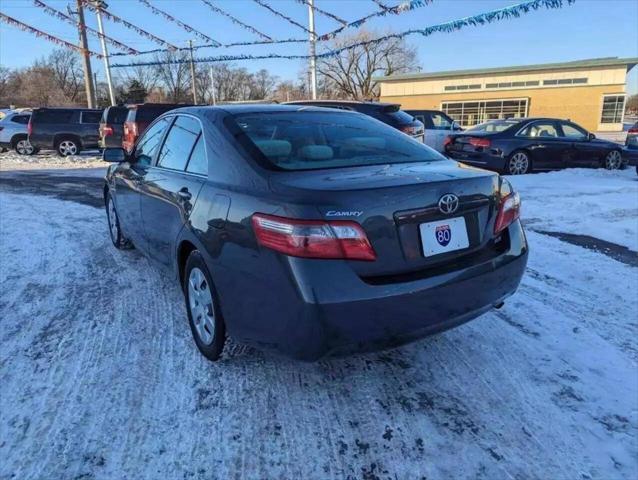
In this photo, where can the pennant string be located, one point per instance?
(170, 18)
(40, 34)
(281, 15)
(62, 16)
(323, 12)
(115, 19)
(513, 11)
(236, 20)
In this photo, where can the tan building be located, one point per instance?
(588, 92)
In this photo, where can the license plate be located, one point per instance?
(443, 236)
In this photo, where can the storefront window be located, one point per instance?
(613, 107)
(472, 112)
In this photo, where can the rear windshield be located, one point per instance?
(494, 126)
(400, 116)
(314, 140)
(115, 115)
(148, 114)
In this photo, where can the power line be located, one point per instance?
(62, 16)
(170, 18)
(236, 20)
(130, 26)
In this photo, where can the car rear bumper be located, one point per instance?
(309, 308)
(487, 160)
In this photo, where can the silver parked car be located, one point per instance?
(13, 133)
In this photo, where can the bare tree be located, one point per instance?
(175, 77)
(146, 76)
(67, 73)
(351, 73)
(262, 85)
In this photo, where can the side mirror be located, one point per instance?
(591, 136)
(456, 126)
(114, 155)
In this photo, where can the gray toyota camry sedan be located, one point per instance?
(312, 231)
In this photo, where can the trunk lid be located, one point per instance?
(390, 202)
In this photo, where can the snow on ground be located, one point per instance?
(99, 377)
(10, 160)
(595, 202)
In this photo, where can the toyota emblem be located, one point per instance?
(448, 203)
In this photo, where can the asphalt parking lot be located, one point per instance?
(101, 380)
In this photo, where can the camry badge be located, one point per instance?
(448, 203)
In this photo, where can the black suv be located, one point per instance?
(388, 113)
(68, 131)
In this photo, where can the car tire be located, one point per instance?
(67, 146)
(113, 220)
(518, 163)
(613, 160)
(202, 304)
(22, 146)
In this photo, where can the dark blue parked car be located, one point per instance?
(521, 145)
(309, 230)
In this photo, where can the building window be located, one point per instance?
(613, 108)
(565, 81)
(452, 88)
(474, 112)
(529, 83)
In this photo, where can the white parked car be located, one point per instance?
(13, 133)
(437, 125)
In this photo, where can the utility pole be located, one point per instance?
(99, 5)
(212, 85)
(313, 46)
(190, 46)
(86, 59)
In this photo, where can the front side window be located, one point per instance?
(541, 130)
(613, 107)
(179, 143)
(314, 140)
(573, 132)
(150, 142)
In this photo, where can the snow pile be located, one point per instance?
(100, 379)
(595, 202)
(10, 160)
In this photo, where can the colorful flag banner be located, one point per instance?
(236, 21)
(281, 15)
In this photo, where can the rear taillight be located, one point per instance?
(632, 130)
(313, 238)
(509, 210)
(29, 128)
(448, 141)
(480, 142)
(107, 130)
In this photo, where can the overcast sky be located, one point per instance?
(587, 29)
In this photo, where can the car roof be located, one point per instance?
(253, 108)
(341, 102)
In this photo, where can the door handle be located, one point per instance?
(184, 194)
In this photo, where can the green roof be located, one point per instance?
(589, 63)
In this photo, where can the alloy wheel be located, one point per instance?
(613, 160)
(67, 147)
(114, 227)
(23, 147)
(200, 302)
(518, 164)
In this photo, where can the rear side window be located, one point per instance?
(54, 116)
(312, 140)
(91, 117)
(400, 116)
(21, 119)
(179, 143)
(149, 142)
(198, 163)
